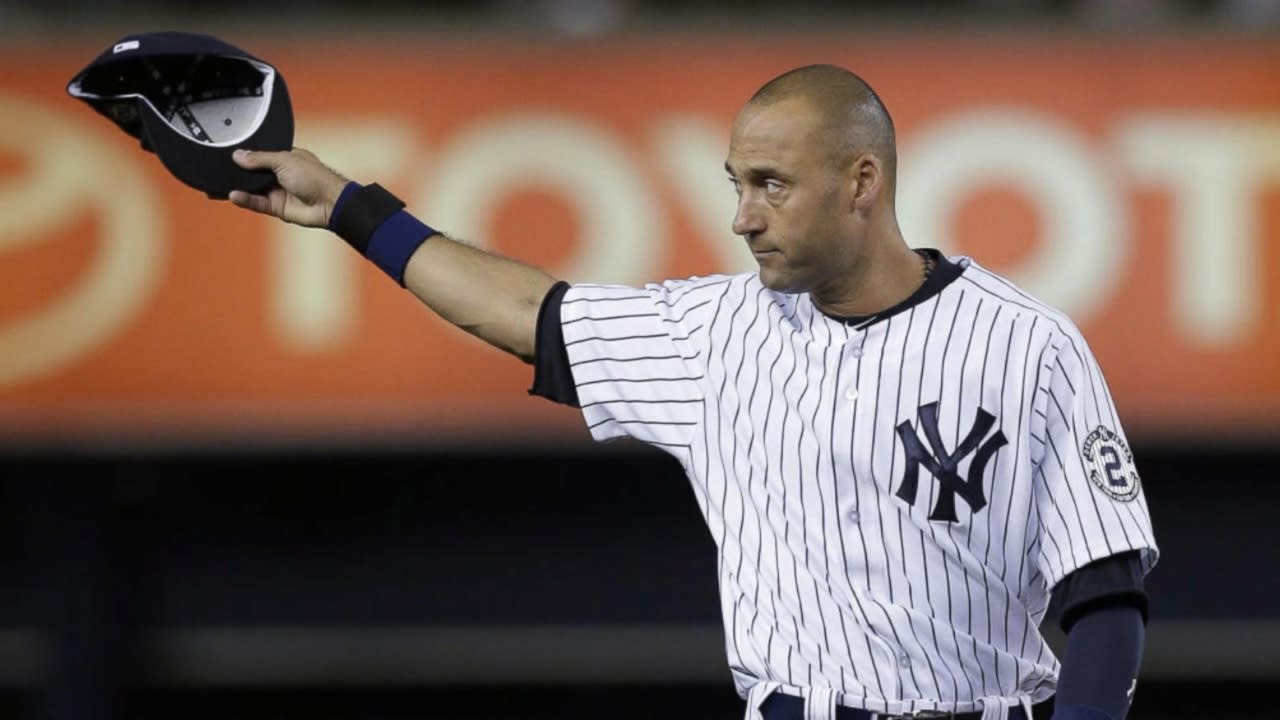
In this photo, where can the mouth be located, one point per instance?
(763, 253)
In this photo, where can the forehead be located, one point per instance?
(785, 132)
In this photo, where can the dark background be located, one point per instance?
(476, 583)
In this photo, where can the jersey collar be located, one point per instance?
(944, 273)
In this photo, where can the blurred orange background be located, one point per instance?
(1130, 182)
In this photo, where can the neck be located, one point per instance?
(883, 276)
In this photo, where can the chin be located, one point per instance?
(779, 282)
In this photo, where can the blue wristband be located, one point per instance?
(371, 220)
(395, 241)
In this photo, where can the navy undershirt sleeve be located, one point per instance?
(1103, 609)
(1100, 665)
(552, 376)
(1113, 581)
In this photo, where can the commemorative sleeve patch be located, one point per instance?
(1110, 465)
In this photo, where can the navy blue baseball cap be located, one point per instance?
(192, 100)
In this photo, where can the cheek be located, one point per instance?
(813, 236)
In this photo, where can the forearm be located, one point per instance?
(1100, 665)
(492, 297)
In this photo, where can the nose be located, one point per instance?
(748, 220)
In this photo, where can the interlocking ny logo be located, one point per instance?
(943, 464)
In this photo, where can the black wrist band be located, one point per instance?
(362, 213)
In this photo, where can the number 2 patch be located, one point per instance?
(1110, 465)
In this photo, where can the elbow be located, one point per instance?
(525, 336)
(518, 335)
(505, 338)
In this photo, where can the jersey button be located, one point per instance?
(851, 393)
(855, 352)
(854, 516)
(904, 661)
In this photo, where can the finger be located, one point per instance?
(249, 201)
(259, 159)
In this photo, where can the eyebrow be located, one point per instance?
(767, 171)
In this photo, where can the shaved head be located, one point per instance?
(854, 118)
(812, 159)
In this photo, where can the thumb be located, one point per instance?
(258, 159)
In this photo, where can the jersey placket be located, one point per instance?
(871, 443)
(855, 501)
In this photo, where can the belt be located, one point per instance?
(788, 707)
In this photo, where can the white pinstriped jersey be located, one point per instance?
(893, 502)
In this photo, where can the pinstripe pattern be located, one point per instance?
(786, 422)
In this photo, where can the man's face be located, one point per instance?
(793, 207)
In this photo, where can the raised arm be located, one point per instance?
(492, 297)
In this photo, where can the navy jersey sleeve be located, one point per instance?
(552, 374)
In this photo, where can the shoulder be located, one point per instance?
(683, 308)
(700, 287)
(1053, 327)
(673, 288)
(674, 297)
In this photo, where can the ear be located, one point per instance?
(866, 180)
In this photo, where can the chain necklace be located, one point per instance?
(927, 261)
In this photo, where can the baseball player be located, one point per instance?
(904, 459)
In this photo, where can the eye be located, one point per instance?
(773, 187)
(737, 186)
